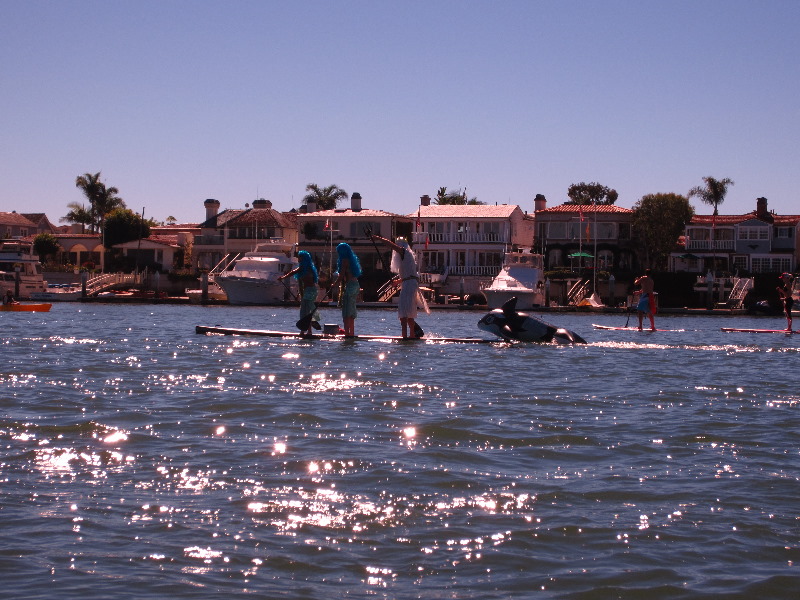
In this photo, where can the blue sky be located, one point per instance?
(179, 101)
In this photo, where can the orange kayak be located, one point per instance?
(43, 307)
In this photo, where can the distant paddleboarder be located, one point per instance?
(785, 295)
(647, 300)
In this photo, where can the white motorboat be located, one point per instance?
(521, 277)
(215, 293)
(59, 293)
(17, 260)
(253, 278)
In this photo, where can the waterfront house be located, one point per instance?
(14, 226)
(756, 242)
(576, 236)
(235, 231)
(461, 246)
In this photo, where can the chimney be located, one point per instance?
(262, 203)
(212, 207)
(355, 202)
(539, 203)
(425, 200)
(311, 206)
(761, 207)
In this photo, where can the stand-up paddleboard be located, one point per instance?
(203, 329)
(738, 330)
(610, 328)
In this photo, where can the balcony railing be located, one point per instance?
(474, 270)
(464, 238)
(711, 244)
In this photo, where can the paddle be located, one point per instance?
(307, 321)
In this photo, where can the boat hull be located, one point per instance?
(526, 300)
(25, 307)
(253, 291)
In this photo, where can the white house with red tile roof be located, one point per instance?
(461, 246)
(757, 242)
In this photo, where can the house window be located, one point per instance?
(624, 231)
(435, 262)
(783, 233)
(490, 259)
(753, 233)
(740, 262)
(359, 229)
(557, 231)
(491, 231)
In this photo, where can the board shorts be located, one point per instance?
(347, 301)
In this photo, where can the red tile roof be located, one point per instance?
(587, 209)
(465, 211)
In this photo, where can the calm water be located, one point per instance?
(139, 460)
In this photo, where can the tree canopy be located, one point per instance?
(102, 199)
(45, 244)
(79, 215)
(658, 221)
(124, 225)
(713, 192)
(591, 193)
(326, 198)
(454, 197)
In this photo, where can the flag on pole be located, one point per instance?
(580, 211)
(419, 222)
(327, 224)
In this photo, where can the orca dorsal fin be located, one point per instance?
(509, 308)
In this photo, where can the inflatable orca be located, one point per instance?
(507, 323)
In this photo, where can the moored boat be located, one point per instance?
(20, 307)
(253, 278)
(521, 277)
(20, 270)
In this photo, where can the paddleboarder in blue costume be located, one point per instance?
(348, 270)
(647, 300)
(785, 294)
(307, 278)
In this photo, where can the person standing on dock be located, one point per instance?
(404, 263)
(647, 300)
(307, 278)
(785, 295)
(348, 270)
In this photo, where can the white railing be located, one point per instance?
(461, 238)
(711, 244)
(100, 283)
(474, 270)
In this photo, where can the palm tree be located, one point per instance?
(78, 214)
(102, 199)
(713, 193)
(455, 197)
(326, 198)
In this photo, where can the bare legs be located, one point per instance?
(408, 325)
(350, 326)
(652, 321)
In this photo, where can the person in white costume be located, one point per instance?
(404, 263)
